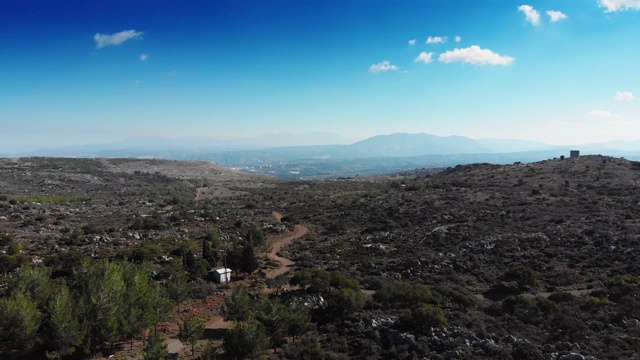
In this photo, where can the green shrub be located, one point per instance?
(523, 350)
(55, 199)
(526, 277)
(340, 281)
(404, 294)
(561, 297)
(621, 286)
(422, 318)
(147, 252)
(345, 301)
(312, 279)
(459, 297)
(593, 303)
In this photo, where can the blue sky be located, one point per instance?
(78, 72)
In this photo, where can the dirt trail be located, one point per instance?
(285, 264)
(201, 193)
(218, 323)
(174, 345)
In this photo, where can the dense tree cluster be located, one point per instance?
(103, 302)
(260, 322)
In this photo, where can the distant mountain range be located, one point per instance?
(201, 144)
(283, 155)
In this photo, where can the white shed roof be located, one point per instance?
(223, 270)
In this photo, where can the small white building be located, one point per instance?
(222, 275)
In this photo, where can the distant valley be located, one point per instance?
(283, 155)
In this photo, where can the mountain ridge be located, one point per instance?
(375, 155)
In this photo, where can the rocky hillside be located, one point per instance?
(524, 261)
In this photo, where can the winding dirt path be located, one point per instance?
(285, 264)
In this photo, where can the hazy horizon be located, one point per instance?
(75, 73)
(287, 139)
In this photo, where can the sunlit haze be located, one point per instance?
(78, 72)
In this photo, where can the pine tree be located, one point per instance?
(135, 313)
(298, 319)
(178, 285)
(159, 305)
(256, 237)
(67, 331)
(273, 315)
(207, 250)
(246, 340)
(19, 320)
(249, 262)
(34, 282)
(191, 330)
(102, 291)
(211, 245)
(238, 306)
(155, 348)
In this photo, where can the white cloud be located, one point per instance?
(424, 57)
(618, 5)
(458, 38)
(412, 42)
(382, 66)
(624, 95)
(475, 55)
(602, 114)
(103, 40)
(556, 15)
(436, 39)
(143, 57)
(532, 15)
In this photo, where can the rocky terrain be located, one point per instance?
(523, 261)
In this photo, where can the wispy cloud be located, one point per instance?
(624, 96)
(618, 5)
(602, 114)
(620, 123)
(436, 39)
(458, 38)
(412, 42)
(556, 15)
(424, 57)
(144, 57)
(103, 40)
(382, 66)
(475, 55)
(532, 15)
